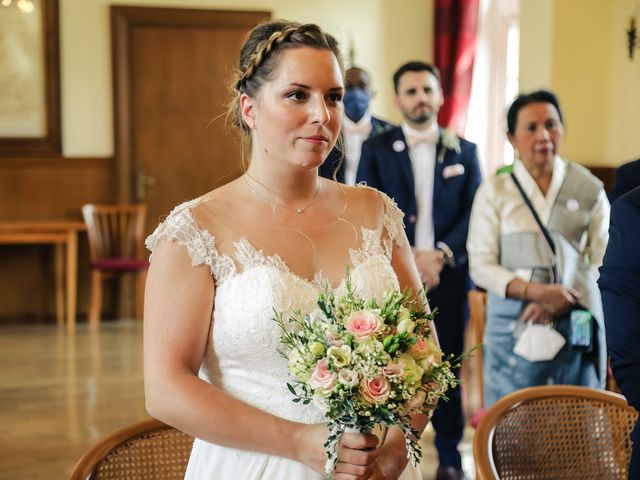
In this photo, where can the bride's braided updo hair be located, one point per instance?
(259, 58)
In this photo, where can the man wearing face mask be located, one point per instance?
(433, 175)
(358, 125)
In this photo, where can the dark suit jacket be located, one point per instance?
(335, 156)
(627, 178)
(620, 287)
(385, 168)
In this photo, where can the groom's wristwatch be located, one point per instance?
(447, 255)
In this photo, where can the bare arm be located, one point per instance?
(178, 307)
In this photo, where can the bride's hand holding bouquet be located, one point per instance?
(366, 363)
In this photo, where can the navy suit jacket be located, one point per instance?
(620, 287)
(384, 167)
(336, 156)
(627, 178)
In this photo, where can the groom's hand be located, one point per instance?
(430, 264)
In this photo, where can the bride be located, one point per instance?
(222, 264)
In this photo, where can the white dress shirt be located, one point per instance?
(423, 162)
(498, 210)
(354, 134)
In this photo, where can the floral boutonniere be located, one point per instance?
(449, 141)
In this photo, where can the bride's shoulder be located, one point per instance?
(376, 201)
(210, 209)
(374, 209)
(189, 224)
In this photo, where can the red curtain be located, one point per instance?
(456, 29)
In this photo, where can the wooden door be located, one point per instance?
(172, 68)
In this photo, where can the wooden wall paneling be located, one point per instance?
(37, 188)
(606, 174)
(45, 188)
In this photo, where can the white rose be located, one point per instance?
(406, 325)
(348, 377)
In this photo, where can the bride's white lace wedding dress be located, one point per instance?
(241, 354)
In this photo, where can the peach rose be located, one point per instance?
(322, 378)
(363, 324)
(433, 357)
(425, 347)
(375, 390)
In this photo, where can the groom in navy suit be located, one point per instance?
(620, 286)
(433, 175)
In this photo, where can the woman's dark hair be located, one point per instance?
(522, 100)
(259, 58)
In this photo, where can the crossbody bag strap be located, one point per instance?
(541, 226)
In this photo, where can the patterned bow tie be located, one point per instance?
(415, 137)
(356, 128)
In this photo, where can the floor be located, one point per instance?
(60, 394)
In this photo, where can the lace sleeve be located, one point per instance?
(181, 227)
(393, 224)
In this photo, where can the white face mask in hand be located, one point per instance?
(538, 342)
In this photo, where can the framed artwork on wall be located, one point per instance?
(29, 79)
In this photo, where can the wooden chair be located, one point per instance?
(555, 432)
(147, 450)
(116, 246)
(471, 372)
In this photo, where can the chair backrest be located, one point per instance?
(472, 373)
(147, 450)
(115, 230)
(555, 432)
(477, 307)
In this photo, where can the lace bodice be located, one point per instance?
(242, 350)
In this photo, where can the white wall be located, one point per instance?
(578, 49)
(536, 44)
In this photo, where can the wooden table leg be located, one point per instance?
(72, 279)
(59, 282)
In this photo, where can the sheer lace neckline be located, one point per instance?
(249, 256)
(181, 226)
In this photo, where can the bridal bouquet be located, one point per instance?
(366, 364)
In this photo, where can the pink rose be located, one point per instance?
(322, 378)
(375, 390)
(363, 324)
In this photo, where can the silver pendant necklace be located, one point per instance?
(298, 210)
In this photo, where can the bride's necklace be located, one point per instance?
(298, 210)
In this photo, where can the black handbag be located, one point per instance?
(580, 319)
